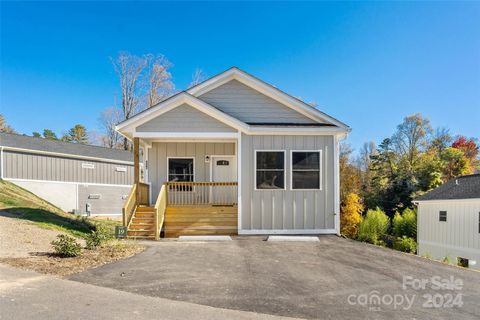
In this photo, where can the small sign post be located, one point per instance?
(120, 232)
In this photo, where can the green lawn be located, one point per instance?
(23, 204)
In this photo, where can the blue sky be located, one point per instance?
(367, 64)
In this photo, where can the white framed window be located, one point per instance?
(86, 165)
(270, 169)
(121, 169)
(181, 169)
(306, 169)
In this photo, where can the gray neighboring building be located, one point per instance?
(75, 177)
(449, 221)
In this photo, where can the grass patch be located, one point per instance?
(23, 204)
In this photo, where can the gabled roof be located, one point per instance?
(39, 145)
(189, 97)
(266, 89)
(465, 187)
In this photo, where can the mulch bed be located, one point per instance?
(50, 263)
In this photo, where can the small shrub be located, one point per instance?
(447, 260)
(373, 226)
(97, 237)
(66, 246)
(405, 224)
(405, 244)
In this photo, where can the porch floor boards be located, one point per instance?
(200, 220)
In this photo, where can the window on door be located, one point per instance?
(306, 170)
(270, 169)
(180, 169)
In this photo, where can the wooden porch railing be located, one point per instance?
(139, 195)
(129, 207)
(160, 206)
(201, 193)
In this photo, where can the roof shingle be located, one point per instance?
(465, 187)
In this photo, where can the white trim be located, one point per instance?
(266, 89)
(183, 157)
(443, 201)
(66, 155)
(176, 101)
(239, 180)
(70, 182)
(255, 169)
(336, 183)
(285, 231)
(186, 135)
(320, 175)
(192, 140)
(273, 130)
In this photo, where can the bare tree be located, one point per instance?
(198, 76)
(160, 85)
(129, 69)
(108, 119)
(4, 126)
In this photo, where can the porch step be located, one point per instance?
(200, 220)
(143, 223)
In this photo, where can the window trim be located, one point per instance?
(168, 166)
(255, 169)
(320, 176)
(440, 216)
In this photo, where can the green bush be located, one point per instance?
(405, 224)
(66, 246)
(405, 244)
(98, 236)
(373, 226)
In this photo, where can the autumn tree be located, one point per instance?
(470, 150)
(351, 215)
(77, 134)
(160, 84)
(49, 134)
(349, 173)
(4, 126)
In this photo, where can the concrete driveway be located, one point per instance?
(334, 278)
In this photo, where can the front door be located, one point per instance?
(224, 169)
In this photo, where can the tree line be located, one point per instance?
(380, 183)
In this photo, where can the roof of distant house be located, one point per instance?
(464, 187)
(10, 140)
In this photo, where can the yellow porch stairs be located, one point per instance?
(142, 225)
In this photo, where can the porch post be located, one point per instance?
(136, 166)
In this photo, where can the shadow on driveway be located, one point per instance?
(326, 279)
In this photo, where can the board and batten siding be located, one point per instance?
(457, 237)
(287, 209)
(34, 166)
(248, 105)
(161, 151)
(184, 118)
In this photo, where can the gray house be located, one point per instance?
(449, 221)
(75, 177)
(234, 155)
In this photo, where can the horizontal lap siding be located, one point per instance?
(249, 105)
(32, 166)
(287, 209)
(184, 118)
(160, 151)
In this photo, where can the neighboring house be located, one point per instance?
(449, 221)
(75, 177)
(231, 155)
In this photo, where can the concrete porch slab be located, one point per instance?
(293, 238)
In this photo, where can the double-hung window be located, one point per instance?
(442, 216)
(270, 169)
(306, 170)
(180, 169)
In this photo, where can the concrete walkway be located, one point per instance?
(29, 295)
